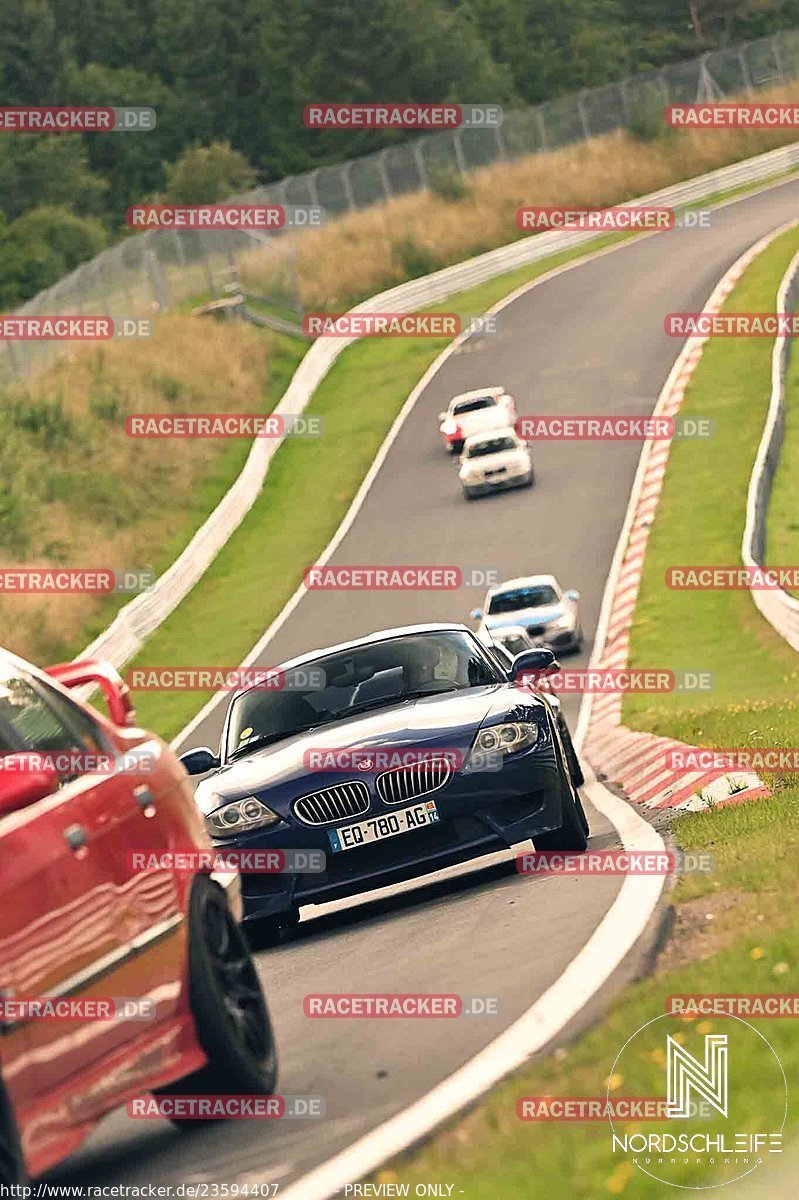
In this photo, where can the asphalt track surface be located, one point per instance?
(589, 341)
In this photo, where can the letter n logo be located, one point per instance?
(687, 1074)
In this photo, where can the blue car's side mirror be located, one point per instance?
(197, 762)
(534, 662)
(476, 614)
(572, 595)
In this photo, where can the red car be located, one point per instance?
(79, 921)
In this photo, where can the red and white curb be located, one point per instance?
(637, 761)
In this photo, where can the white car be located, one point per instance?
(475, 412)
(548, 615)
(498, 459)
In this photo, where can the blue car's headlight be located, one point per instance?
(494, 743)
(240, 816)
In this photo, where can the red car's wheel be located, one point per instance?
(228, 1005)
(12, 1165)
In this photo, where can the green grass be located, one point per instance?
(782, 525)
(738, 928)
(700, 520)
(491, 1155)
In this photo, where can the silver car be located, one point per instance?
(549, 615)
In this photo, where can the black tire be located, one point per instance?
(468, 493)
(573, 833)
(227, 1001)
(531, 480)
(12, 1163)
(572, 761)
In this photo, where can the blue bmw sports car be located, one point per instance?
(395, 755)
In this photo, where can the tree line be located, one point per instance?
(229, 84)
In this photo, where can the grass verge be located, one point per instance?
(782, 524)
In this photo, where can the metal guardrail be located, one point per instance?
(780, 609)
(143, 615)
(155, 271)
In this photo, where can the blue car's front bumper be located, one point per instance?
(479, 813)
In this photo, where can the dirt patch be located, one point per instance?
(700, 930)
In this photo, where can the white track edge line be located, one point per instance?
(619, 930)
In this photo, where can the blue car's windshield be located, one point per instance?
(371, 676)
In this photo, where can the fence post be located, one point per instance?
(775, 46)
(745, 72)
(346, 179)
(457, 146)
(502, 149)
(381, 166)
(583, 114)
(418, 158)
(542, 127)
(313, 187)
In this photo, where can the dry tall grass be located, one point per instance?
(76, 491)
(364, 252)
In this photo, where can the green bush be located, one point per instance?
(416, 260)
(448, 182)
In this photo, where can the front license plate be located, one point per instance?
(349, 837)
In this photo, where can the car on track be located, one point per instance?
(493, 461)
(82, 922)
(395, 755)
(513, 640)
(549, 615)
(475, 412)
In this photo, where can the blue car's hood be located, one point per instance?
(449, 721)
(527, 616)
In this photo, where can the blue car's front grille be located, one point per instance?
(335, 803)
(406, 783)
